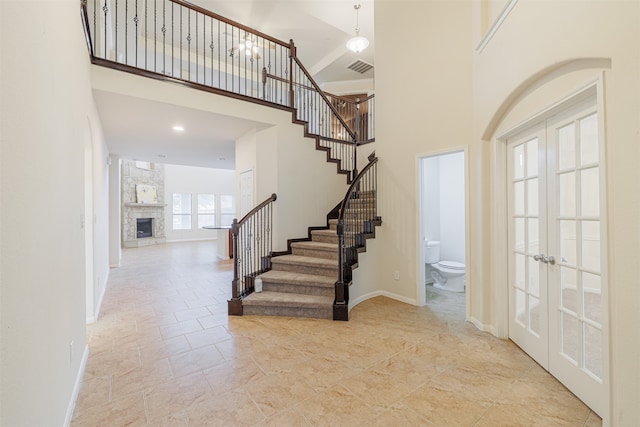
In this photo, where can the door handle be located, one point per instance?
(540, 257)
(549, 260)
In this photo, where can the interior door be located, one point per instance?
(577, 308)
(557, 307)
(528, 307)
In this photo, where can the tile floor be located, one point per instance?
(165, 353)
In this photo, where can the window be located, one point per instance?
(206, 210)
(181, 211)
(227, 210)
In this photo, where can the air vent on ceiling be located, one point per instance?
(360, 66)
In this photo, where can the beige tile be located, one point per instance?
(110, 363)
(286, 418)
(195, 360)
(94, 392)
(191, 313)
(277, 392)
(336, 406)
(208, 336)
(472, 384)
(175, 420)
(401, 415)
(140, 378)
(174, 396)
(323, 372)
(275, 358)
(444, 407)
(550, 400)
(164, 349)
(233, 408)
(232, 375)
(165, 313)
(519, 415)
(180, 328)
(220, 319)
(128, 411)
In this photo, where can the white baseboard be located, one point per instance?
(483, 327)
(374, 294)
(76, 387)
(199, 239)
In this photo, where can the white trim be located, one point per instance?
(496, 25)
(374, 294)
(76, 387)
(593, 89)
(483, 327)
(96, 311)
(420, 269)
(500, 238)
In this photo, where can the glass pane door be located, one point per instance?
(527, 290)
(575, 281)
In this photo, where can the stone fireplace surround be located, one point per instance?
(132, 210)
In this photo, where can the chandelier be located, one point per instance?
(357, 44)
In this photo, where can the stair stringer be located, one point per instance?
(320, 147)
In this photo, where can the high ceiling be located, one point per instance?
(319, 28)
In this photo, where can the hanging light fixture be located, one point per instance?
(357, 44)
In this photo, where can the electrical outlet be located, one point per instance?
(396, 275)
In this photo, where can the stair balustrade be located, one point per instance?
(252, 247)
(357, 219)
(176, 41)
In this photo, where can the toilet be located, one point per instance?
(447, 275)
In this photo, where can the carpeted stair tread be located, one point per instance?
(297, 278)
(315, 245)
(304, 260)
(327, 232)
(282, 299)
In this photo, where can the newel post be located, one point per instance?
(234, 305)
(340, 308)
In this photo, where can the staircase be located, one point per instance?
(312, 278)
(302, 283)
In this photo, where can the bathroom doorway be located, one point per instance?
(442, 238)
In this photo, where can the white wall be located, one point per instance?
(45, 106)
(307, 190)
(431, 198)
(100, 186)
(452, 210)
(194, 180)
(420, 109)
(515, 80)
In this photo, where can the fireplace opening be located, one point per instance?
(143, 227)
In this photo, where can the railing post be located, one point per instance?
(234, 305)
(356, 138)
(292, 54)
(264, 83)
(340, 308)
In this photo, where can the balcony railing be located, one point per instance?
(178, 41)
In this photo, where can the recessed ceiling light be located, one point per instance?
(178, 128)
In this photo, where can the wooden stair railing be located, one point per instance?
(173, 40)
(252, 248)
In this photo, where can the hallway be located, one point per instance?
(165, 353)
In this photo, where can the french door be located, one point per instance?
(556, 307)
